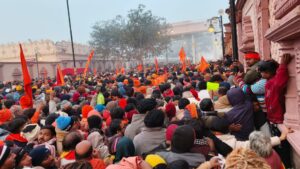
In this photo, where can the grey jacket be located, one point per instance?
(137, 123)
(194, 159)
(149, 139)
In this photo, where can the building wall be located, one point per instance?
(49, 54)
(276, 31)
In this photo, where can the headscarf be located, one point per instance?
(125, 148)
(241, 113)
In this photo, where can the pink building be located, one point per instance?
(272, 28)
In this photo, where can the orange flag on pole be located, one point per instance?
(140, 67)
(203, 65)
(59, 76)
(156, 64)
(88, 63)
(95, 71)
(26, 76)
(123, 70)
(182, 55)
(183, 66)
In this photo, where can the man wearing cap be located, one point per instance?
(7, 159)
(252, 60)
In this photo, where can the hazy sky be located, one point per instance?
(47, 19)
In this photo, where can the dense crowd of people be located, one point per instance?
(224, 117)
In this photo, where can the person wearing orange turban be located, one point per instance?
(25, 102)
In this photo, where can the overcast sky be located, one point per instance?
(47, 19)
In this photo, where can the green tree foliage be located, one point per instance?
(138, 36)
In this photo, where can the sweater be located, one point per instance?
(137, 123)
(274, 97)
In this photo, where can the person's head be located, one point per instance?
(116, 126)
(46, 133)
(183, 102)
(94, 122)
(117, 113)
(260, 144)
(31, 132)
(16, 125)
(78, 165)
(252, 58)
(245, 158)
(29, 112)
(198, 127)
(206, 105)
(183, 139)
(216, 78)
(23, 159)
(64, 123)
(155, 118)
(202, 85)
(268, 68)
(7, 159)
(177, 91)
(41, 156)
(146, 105)
(71, 140)
(222, 91)
(125, 148)
(8, 103)
(83, 150)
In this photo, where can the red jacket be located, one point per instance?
(274, 95)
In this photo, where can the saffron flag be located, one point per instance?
(59, 76)
(203, 65)
(123, 70)
(183, 66)
(117, 71)
(26, 76)
(156, 65)
(182, 55)
(88, 63)
(95, 71)
(140, 67)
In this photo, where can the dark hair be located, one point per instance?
(78, 165)
(132, 100)
(115, 93)
(202, 85)
(146, 105)
(168, 98)
(115, 126)
(117, 113)
(8, 103)
(155, 118)
(139, 95)
(206, 105)
(71, 140)
(222, 91)
(29, 112)
(15, 125)
(198, 127)
(183, 102)
(94, 122)
(129, 91)
(156, 94)
(268, 66)
(176, 97)
(177, 91)
(129, 107)
(216, 78)
(86, 155)
(51, 128)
